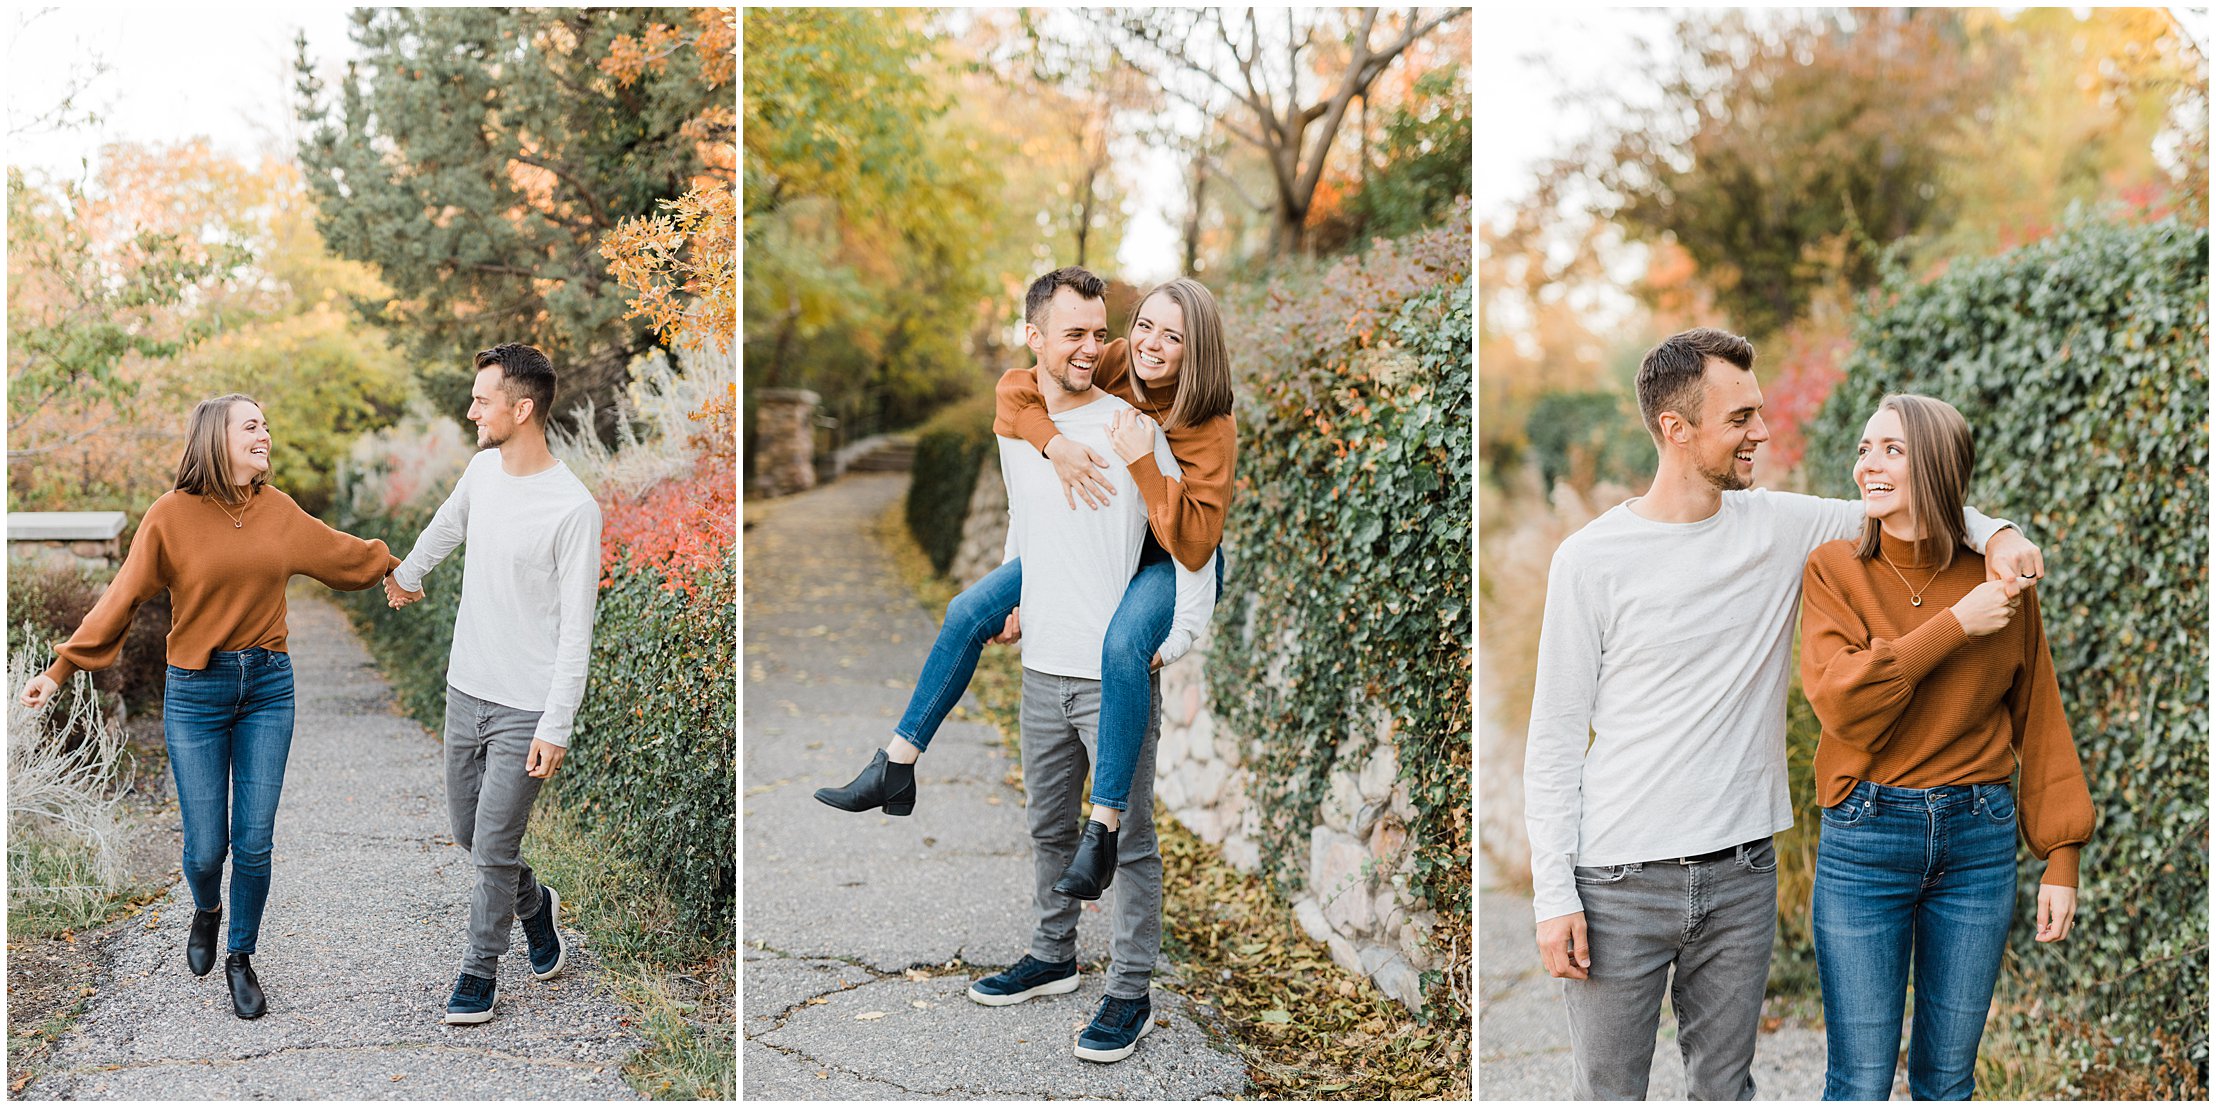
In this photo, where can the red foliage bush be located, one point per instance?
(682, 526)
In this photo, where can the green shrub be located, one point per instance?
(1348, 544)
(949, 451)
(657, 725)
(2081, 363)
(1588, 437)
(46, 602)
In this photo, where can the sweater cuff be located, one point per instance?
(1920, 651)
(2062, 867)
(62, 670)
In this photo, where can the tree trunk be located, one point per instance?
(1197, 196)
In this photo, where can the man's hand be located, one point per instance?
(1080, 470)
(39, 691)
(397, 597)
(2057, 911)
(544, 758)
(1562, 946)
(2010, 554)
(1132, 434)
(1011, 631)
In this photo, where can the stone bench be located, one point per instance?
(88, 540)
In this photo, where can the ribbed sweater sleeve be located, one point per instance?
(1858, 684)
(1187, 515)
(2057, 808)
(1019, 411)
(99, 637)
(334, 557)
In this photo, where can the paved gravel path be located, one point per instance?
(359, 949)
(851, 921)
(1523, 1037)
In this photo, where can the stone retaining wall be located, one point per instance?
(784, 440)
(1355, 898)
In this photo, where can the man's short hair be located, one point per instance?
(525, 373)
(1670, 374)
(1074, 277)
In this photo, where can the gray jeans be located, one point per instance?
(1715, 922)
(1060, 721)
(488, 797)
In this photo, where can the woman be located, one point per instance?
(1174, 370)
(1934, 686)
(223, 543)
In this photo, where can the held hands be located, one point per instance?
(1989, 606)
(1563, 948)
(397, 597)
(2057, 911)
(1011, 631)
(1132, 434)
(1080, 469)
(544, 759)
(2010, 554)
(39, 692)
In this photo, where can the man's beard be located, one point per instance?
(487, 439)
(1727, 479)
(1065, 382)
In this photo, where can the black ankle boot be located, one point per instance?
(246, 992)
(883, 783)
(1095, 865)
(200, 945)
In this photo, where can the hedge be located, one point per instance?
(46, 602)
(950, 449)
(1348, 544)
(2081, 362)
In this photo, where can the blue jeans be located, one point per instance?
(1141, 622)
(1922, 876)
(229, 730)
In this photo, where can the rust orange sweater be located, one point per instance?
(1907, 698)
(226, 583)
(1186, 516)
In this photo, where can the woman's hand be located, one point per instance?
(41, 690)
(1079, 468)
(1132, 434)
(2057, 911)
(1989, 606)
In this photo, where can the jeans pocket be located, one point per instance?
(1760, 859)
(1604, 875)
(1849, 812)
(179, 673)
(1998, 803)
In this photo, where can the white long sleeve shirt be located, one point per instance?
(530, 580)
(1668, 646)
(1077, 561)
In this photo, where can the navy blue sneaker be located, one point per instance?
(1028, 978)
(472, 1000)
(547, 950)
(1116, 1029)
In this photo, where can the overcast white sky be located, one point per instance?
(174, 72)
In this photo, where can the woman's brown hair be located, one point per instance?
(205, 467)
(1204, 378)
(1941, 457)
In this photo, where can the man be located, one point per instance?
(1665, 645)
(522, 640)
(1075, 565)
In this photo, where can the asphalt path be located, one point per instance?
(861, 933)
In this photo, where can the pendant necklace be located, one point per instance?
(1915, 595)
(237, 521)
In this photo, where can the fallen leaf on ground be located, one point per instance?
(871, 1016)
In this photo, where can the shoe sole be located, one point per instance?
(1092, 1054)
(1075, 895)
(474, 1017)
(1051, 988)
(890, 808)
(561, 946)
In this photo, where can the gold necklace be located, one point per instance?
(237, 521)
(1915, 595)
